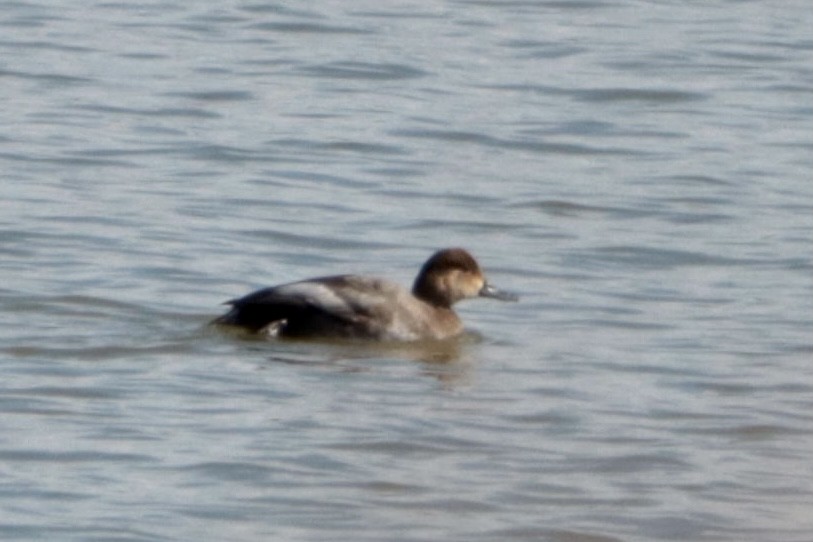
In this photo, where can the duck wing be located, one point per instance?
(321, 304)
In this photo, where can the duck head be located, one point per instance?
(451, 275)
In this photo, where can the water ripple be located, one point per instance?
(364, 71)
(541, 147)
(309, 28)
(50, 78)
(92, 456)
(658, 258)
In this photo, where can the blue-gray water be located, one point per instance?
(639, 171)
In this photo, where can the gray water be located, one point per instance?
(639, 171)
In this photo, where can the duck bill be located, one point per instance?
(494, 293)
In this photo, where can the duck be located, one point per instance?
(367, 308)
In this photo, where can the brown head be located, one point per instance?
(450, 275)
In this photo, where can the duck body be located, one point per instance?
(367, 308)
(342, 306)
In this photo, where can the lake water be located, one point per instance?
(640, 172)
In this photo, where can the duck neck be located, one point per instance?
(423, 290)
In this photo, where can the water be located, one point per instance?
(639, 171)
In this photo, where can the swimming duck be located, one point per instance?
(358, 307)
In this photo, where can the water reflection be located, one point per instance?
(449, 360)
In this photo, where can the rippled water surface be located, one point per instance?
(639, 171)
